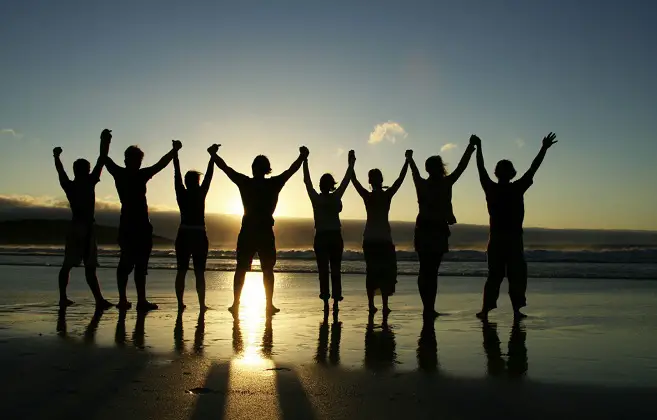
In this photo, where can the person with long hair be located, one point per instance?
(192, 240)
(434, 197)
(328, 243)
(378, 247)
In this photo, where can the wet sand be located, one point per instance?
(586, 351)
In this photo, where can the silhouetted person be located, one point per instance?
(380, 346)
(259, 197)
(378, 248)
(192, 240)
(328, 244)
(135, 229)
(81, 238)
(434, 197)
(427, 347)
(506, 207)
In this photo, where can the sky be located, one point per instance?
(378, 77)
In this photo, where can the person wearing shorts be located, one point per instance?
(192, 240)
(259, 198)
(135, 229)
(81, 245)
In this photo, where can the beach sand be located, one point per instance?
(588, 349)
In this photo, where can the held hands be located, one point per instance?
(351, 158)
(176, 144)
(57, 151)
(106, 136)
(475, 141)
(409, 155)
(549, 140)
(214, 149)
(304, 152)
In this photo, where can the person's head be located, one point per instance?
(504, 171)
(327, 183)
(375, 178)
(192, 179)
(261, 166)
(133, 157)
(81, 168)
(435, 167)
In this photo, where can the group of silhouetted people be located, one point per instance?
(259, 195)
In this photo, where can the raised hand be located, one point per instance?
(409, 154)
(475, 141)
(106, 135)
(304, 152)
(57, 151)
(214, 149)
(352, 157)
(176, 144)
(549, 140)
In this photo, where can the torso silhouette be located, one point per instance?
(506, 205)
(326, 209)
(81, 197)
(191, 202)
(131, 186)
(259, 197)
(377, 227)
(434, 197)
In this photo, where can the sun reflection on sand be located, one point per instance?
(254, 328)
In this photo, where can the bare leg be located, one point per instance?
(268, 279)
(140, 283)
(386, 308)
(200, 288)
(92, 281)
(63, 284)
(238, 284)
(370, 301)
(180, 288)
(122, 274)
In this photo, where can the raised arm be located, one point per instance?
(359, 187)
(232, 174)
(481, 167)
(347, 175)
(105, 141)
(61, 172)
(548, 141)
(151, 171)
(177, 175)
(463, 164)
(417, 177)
(306, 179)
(399, 181)
(296, 165)
(209, 172)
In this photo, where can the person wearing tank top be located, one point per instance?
(192, 240)
(328, 243)
(378, 247)
(434, 197)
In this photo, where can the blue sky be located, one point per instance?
(269, 78)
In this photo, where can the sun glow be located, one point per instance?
(255, 328)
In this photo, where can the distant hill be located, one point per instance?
(53, 232)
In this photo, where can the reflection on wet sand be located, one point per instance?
(139, 333)
(323, 341)
(199, 334)
(178, 335)
(380, 347)
(238, 343)
(92, 327)
(427, 348)
(120, 336)
(517, 363)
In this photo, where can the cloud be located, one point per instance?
(390, 131)
(340, 151)
(447, 147)
(10, 132)
(520, 142)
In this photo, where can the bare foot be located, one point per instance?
(204, 308)
(431, 314)
(103, 305)
(124, 305)
(373, 309)
(63, 303)
(235, 309)
(482, 315)
(519, 315)
(271, 310)
(146, 306)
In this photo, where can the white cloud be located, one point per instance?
(11, 132)
(448, 147)
(340, 151)
(390, 131)
(520, 142)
